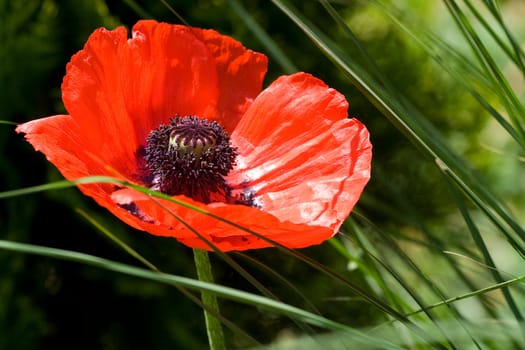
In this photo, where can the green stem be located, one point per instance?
(213, 324)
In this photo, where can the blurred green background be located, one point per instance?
(50, 304)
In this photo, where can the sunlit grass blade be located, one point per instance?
(468, 75)
(57, 185)
(409, 121)
(222, 291)
(514, 52)
(7, 122)
(507, 96)
(497, 286)
(518, 51)
(393, 270)
(39, 188)
(487, 257)
(154, 194)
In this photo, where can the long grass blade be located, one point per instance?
(269, 43)
(154, 194)
(409, 121)
(174, 280)
(507, 96)
(120, 243)
(132, 252)
(489, 261)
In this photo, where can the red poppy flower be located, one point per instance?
(180, 110)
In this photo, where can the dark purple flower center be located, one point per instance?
(190, 156)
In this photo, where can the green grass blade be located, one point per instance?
(409, 121)
(512, 52)
(478, 239)
(120, 243)
(132, 252)
(497, 286)
(518, 51)
(174, 280)
(507, 96)
(458, 66)
(269, 43)
(8, 122)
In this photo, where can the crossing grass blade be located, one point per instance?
(135, 254)
(415, 127)
(192, 284)
(375, 86)
(293, 253)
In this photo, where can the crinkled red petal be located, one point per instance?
(241, 74)
(165, 218)
(306, 162)
(61, 140)
(119, 89)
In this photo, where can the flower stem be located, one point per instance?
(213, 324)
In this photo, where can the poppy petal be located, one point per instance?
(221, 234)
(305, 160)
(241, 74)
(301, 162)
(118, 90)
(306, 175)
(60, 139)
